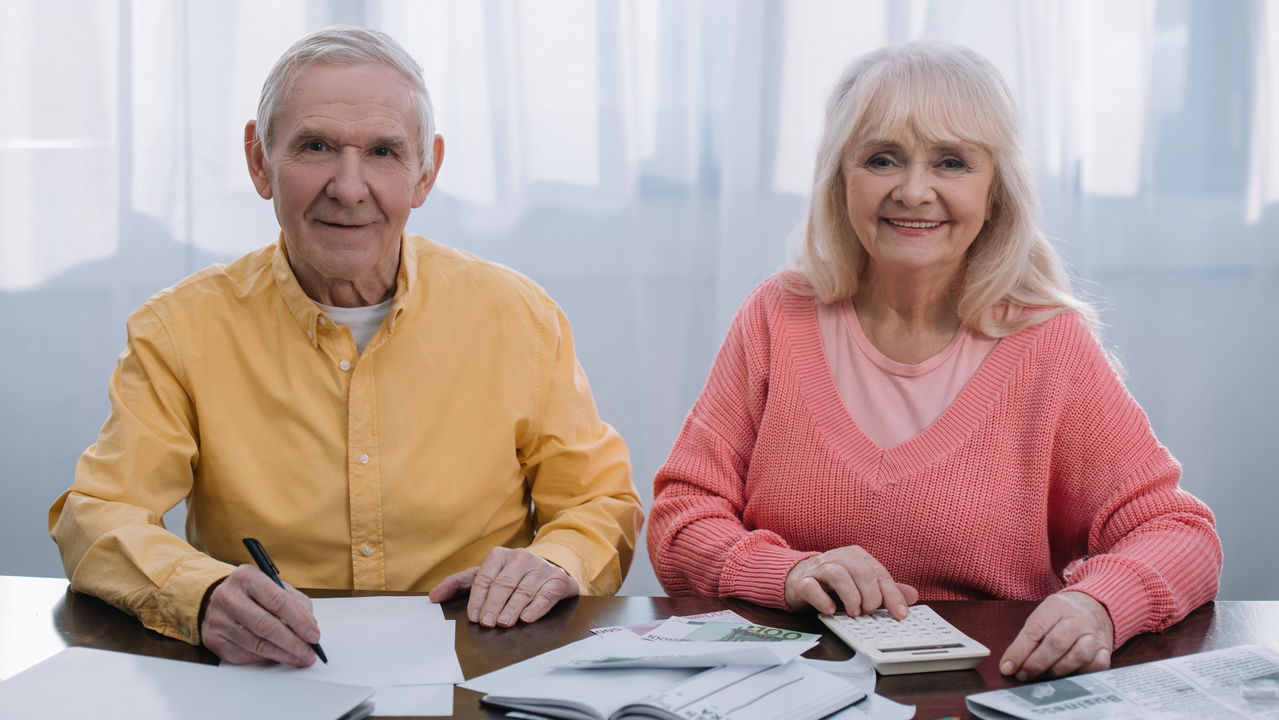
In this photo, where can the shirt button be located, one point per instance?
(310, 334)
(367, 550)
(364, 458)
(344, 365)
(322, 321)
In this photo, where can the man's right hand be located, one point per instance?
(249, 619)
(855, 577)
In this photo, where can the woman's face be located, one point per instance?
(915, 206)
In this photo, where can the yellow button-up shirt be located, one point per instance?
(467, 423)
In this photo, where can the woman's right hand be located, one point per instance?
(852, 575)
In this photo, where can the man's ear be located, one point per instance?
(257, 160)
(427, 180)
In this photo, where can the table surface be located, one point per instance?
(41, 616)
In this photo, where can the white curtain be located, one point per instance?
(646, 161)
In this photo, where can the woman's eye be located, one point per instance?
(954, 164)
(879, 161)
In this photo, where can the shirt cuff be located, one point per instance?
(568, 561)
(757, 572)
(1111, 582)
(177, 613)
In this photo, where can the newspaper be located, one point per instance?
(1235, 683)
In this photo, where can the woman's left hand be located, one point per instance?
(1069, 632)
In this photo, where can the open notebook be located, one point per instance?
(80, 683)
(559, 684)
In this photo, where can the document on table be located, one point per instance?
(553, 684)
(86, 683)
(386, 643)
(623, 650)
(373, 641)
(1237, 683)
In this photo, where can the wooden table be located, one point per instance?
(40, 616)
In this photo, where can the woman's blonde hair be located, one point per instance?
(941, 94)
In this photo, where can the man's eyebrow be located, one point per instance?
(305, 135)
(390, 141)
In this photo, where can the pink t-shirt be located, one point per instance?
(893, 402)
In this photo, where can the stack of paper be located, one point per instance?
(400, 646)
(717, 666)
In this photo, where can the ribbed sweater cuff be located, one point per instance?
(1117, 586)
(759, 574)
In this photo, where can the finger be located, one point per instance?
(252, 643)
(504, 587)
(452, 585)
(296, 618)
(867, 578)
(1051, 650)
(551, 592)
(1100, 661)
(530, 585)
(835, 577)
(909, 593)
(483, 582)
(229, 651)
(1025, 643)
(812, 593)
(1080, 655)
(892, 598)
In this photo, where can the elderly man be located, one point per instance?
(382, 412)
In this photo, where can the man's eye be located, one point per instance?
(315, 145)
(382, 152)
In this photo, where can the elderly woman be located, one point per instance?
(921, 410)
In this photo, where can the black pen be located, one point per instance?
(265, 565)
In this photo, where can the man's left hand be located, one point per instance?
(1069, 632)
(511, 585)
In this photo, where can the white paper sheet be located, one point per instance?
(381, 641)
(624, 650)
(413, 700)
(82, 683)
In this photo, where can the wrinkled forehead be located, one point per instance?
(371, 96)
(930, 107)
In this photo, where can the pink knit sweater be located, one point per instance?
(1043, 475)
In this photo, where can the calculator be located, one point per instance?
(923, 642)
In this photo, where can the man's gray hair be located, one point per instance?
(346, 45)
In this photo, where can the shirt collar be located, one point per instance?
(307, 314)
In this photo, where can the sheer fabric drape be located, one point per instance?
(646, 161)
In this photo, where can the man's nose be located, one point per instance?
(347, 185)
(915, 188)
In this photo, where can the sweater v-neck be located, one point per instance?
(884, 466)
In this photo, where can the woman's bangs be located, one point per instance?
(927, 105)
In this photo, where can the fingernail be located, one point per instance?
(1007, 667)
(504, 619)
(900, 611)
(488, 620)
(473, 615)
(313, 637)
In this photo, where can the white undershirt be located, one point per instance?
(363, 322)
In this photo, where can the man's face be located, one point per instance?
(343, 173)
